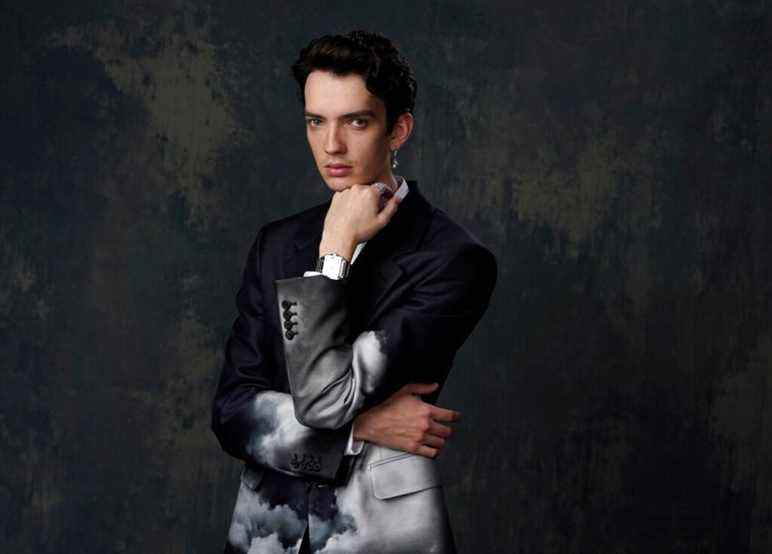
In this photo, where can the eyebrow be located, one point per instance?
(350, 115)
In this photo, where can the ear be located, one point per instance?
(403, 128)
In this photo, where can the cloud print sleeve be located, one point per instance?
(415, 339)
(252, 421)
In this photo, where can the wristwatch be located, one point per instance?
(333, 266)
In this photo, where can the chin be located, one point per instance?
(337, 184)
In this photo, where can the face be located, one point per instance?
(346, 127)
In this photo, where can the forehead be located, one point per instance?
(332, 95)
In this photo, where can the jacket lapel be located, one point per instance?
(376, 271)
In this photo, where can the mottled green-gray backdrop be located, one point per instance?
(615, 155)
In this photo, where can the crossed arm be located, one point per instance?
(332, 380)
(253, 421)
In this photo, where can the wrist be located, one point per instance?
(342, 246)
(357, 430)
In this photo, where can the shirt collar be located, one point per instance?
(403, 188)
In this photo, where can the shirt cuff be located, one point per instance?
(353, 446)
(310, 273)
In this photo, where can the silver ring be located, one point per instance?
(380, 186)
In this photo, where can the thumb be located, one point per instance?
(419, 388)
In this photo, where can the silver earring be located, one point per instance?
(394, 162)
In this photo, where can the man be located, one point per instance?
(349, 312)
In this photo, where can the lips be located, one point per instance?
(338, 170)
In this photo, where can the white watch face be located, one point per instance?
(332, 266)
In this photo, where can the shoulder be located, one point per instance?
(450, 241)
(279, 233)
(450, 269)
(450, 261)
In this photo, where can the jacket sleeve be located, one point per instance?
(251, 420)
(332, 377)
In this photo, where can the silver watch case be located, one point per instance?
(333, 266)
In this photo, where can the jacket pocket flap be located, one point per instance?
(402, 475)
(251, 476)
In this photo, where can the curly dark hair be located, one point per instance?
(386, 73)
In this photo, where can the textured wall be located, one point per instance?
(614, 154)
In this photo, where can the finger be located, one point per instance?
(440, 430)
(383, 200)
(379, 189)
(418, 388)
(441, 414)
(434, 441)
(426, 451)
(385, 215)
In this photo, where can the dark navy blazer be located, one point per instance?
(306, 354)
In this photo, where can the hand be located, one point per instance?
(355, 216)
(405, 422)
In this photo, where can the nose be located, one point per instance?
(333, 143)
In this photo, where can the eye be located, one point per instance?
(313, 121)
(359, 122)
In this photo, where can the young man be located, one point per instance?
(349, 312)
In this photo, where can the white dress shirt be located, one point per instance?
(354, 447)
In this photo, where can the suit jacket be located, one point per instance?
(306, 354)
